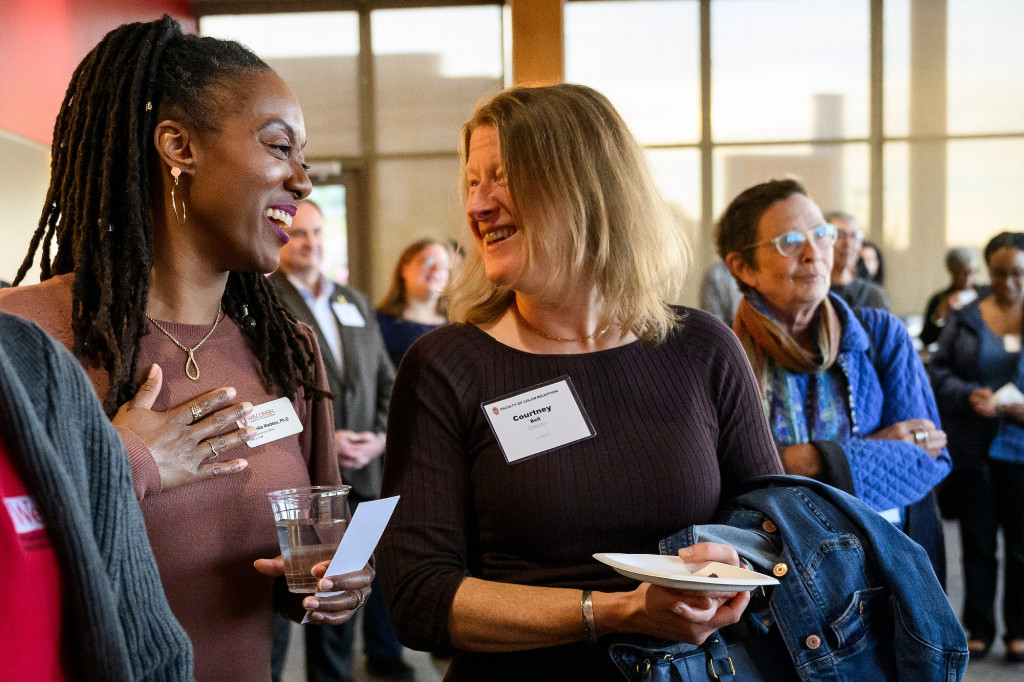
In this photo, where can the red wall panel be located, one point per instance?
(43, 42)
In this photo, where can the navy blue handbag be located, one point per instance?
(761, 658)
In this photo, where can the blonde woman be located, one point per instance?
(561, 326)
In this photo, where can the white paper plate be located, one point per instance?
(671, 571)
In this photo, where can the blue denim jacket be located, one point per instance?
(856, 600)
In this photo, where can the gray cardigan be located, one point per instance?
(75, 466)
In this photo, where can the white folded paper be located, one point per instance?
(1008, 395)
(360, 539)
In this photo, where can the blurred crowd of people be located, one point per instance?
(534, 400)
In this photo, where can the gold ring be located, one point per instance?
(362, 600)
(197, 412)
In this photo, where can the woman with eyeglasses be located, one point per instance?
(413, 304)
(847, 398)
(978, 375)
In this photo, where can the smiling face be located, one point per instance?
(304, 252)
(489, 210)
(1006, 269)
(248, 174)
(795, 285)
(847, 246)
(426, 275)
(870, 258)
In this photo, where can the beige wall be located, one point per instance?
(24, 177)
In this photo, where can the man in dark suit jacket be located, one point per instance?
(360, 375)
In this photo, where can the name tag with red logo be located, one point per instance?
(28, 522)
(272, 420)
(538, 419)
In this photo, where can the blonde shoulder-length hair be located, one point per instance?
(572, 165)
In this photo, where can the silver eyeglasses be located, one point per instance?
(790, 243)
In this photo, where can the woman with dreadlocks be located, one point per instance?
(176, 161)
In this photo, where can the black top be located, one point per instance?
(862, 293)
(399, 334)
(677, 424)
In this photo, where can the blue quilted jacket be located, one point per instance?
(887, 384)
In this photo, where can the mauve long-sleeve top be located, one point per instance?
(205, 536)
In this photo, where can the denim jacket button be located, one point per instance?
(780, 570)
(813, 642)
(769, 526)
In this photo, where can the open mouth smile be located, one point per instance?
(498, 234)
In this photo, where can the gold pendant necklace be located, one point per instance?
(538, 332)
(191, 362)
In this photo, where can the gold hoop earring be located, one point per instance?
(176, 174)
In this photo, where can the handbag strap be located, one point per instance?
(720, 666)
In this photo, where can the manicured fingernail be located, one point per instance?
(311, 603)
(325, 585)
(153, 369)
(250, 433)
(231, 392)
(316, 615)
(246, 408)
(685, 551)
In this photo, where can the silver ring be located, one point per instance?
(921, 436)
(216, 452)
(362, 600)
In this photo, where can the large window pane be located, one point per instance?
(986, 66)
(896, 89)
(984, 189)
(896, 224)
(645, 57)
(677, 174)
(836, 176)
(430, 67)
(321, 68)
(789, 69)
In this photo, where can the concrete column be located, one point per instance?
(927, 161)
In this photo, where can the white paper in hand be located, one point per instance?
(359, 541)
(1009, 395)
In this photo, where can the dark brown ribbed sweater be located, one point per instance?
(206, 536)
(677, 425)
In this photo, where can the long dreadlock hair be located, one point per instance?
(98, 203)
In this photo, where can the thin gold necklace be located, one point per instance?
(191, 362)
(538, 332)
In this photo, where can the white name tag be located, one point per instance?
(272, 420)
(894, 515)
(24, 515)
(1011, 343)
(348, 314)
(539, 419)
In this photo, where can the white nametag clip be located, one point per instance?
(347, 313)
(539, 419)
(272, 420)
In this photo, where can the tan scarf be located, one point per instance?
(761, 335)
